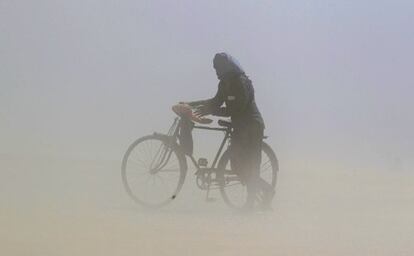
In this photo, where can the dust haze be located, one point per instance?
(81, 80)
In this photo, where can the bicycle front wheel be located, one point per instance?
(153, 171)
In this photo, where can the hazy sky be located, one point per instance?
(333, 79)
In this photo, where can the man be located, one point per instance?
(236, 90)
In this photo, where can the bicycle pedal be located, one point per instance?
(202, 162)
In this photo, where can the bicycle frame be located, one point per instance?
(176, 127)
(223, 142)
(208, 177)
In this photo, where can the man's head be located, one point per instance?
(226, 65)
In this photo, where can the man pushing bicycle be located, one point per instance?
(235, 89)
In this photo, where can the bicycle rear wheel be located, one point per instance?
(232, 189)
(153, 171)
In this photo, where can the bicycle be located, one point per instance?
(159, 158)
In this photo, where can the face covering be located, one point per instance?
(226, 65)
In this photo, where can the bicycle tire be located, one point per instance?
(140, 198)
(223, 171)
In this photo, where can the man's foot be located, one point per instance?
(266, 208)
(266, 204)
(248, 207)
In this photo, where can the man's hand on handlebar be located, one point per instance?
(202, 110)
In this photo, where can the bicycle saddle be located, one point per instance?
(184, 110)
(224, 123)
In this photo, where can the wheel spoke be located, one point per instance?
(152, 189)
(143, 154)
(267, 168)
(263, 165)
(168, 170)
(234, 192)
(140, 163)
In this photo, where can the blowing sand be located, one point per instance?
(79, 208)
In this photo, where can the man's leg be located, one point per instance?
(252, 160)
(241, 162)
(259, 184)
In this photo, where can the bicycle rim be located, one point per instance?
(152, 171)
(233, 190)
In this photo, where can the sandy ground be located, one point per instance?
(77, 207)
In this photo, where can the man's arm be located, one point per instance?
(221, 112)
(198, 102)
(209, 106)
